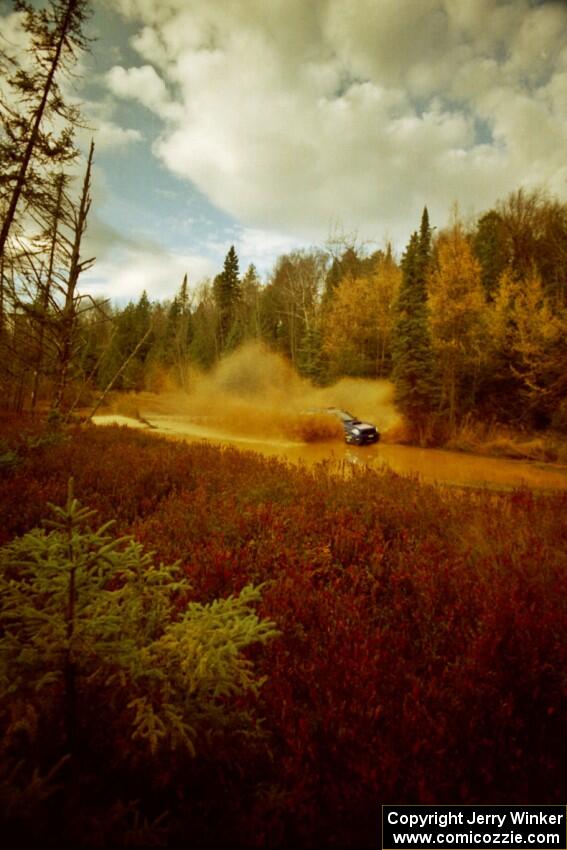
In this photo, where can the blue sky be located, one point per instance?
(140, 207)
(278, 124)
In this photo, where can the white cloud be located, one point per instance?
(146, 86)
(255, 245)
(110, 135)
(539, 39)
(14, 40)
(289, 114)
(125, 273)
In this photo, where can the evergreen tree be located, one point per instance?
(227, 295)
(489, 246)
(413, 362)
(96, 636)
(424, 254)
(310, 355)
(183, 295)
(204, 349)
(348, 264)
(177, 337)
(130, 346)
(250, 292)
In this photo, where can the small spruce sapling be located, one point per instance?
(91, 622)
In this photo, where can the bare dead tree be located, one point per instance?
(45, 295)
(71, 304)
(55, 36)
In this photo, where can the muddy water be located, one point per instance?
(430, 465)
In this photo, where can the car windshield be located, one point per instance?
(343, 414)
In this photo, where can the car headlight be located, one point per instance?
(356, 431)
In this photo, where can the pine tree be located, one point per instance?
(489, 246)
(347, 265)
(178, 333)
(310, 355)
(227, 294)
(424, 254)
(414, 371)
(250, 303)
(204, 347)
(123, 364)
(183, 295)
(97, 636)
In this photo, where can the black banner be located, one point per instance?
(481, 827)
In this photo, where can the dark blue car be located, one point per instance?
(356, 432)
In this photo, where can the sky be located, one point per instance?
(275, 125)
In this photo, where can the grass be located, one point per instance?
(494, 440)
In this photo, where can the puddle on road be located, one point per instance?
(432, 465)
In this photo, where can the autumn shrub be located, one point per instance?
(8, 457)
(17, 429)
(495, 440)
(422, 650)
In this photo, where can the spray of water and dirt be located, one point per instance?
(256, 393)
(255, 399)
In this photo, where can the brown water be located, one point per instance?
(255, 400)
(432, 465)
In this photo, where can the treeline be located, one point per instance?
(298, 312)
(481, 320)
(471, 321)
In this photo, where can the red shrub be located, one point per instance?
(423, 646)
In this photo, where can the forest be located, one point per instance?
(201, 646)
(470, 323)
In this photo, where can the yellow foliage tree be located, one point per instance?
(457, 318)
(357, 327)
(528, 338)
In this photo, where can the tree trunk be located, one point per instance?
(69, 314)
(46, 293)
(32, 141)
(70, 672)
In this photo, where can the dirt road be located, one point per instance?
(431, 465)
